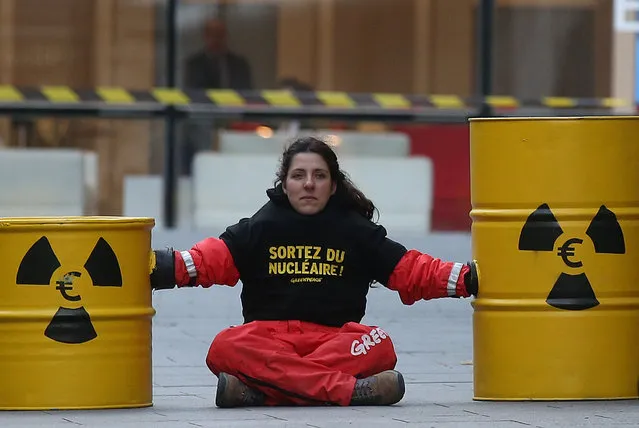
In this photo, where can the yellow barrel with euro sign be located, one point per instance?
(75, 313)
(555, 211)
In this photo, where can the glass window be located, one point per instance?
(560, 48)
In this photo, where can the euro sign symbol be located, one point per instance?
(566, 251)
(66, 284)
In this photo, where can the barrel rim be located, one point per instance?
(75, 220)
(551, 118)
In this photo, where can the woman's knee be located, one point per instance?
(222, 350)
(234, 345)
(373, 339)
(386, 355)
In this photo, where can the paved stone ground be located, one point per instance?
(434, 344)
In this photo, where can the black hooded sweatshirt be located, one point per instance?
(315, 268)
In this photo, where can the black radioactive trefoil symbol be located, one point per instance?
(69, 325)
(540, 233)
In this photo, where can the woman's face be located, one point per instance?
(308, 184)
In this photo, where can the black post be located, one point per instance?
(485, 53)
(170, 149)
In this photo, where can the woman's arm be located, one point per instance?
(413, 274)
(207, 263)
(419, 276)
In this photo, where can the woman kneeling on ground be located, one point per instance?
(306, 260)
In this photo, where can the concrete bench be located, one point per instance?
(144, 197)
(47, 182)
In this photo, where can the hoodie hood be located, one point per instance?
(276, 195)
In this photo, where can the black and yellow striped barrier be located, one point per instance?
(117, 96)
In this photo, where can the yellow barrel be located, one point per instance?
(75, 313)
(555, 209)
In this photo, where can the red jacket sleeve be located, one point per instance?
(419, 276)
(213, 264)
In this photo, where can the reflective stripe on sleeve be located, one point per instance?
(451, 288)
(190, 265)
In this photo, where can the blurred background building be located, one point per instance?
(543, 53)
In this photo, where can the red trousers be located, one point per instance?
(301, 363)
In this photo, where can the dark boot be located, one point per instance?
(382, 389)
(232, 392)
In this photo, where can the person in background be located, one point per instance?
(307, 260)
(215, 67)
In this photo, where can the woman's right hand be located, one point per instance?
(162, 269)
(471, 280)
